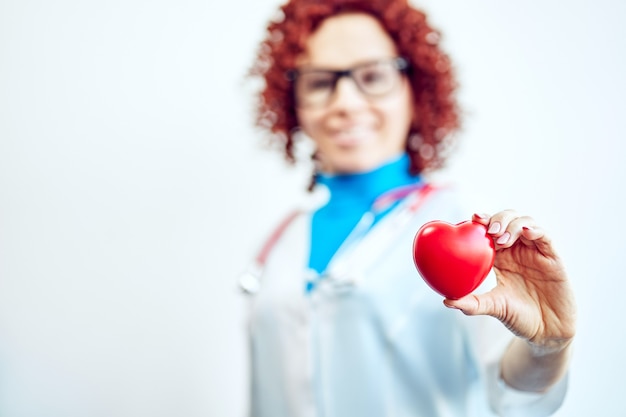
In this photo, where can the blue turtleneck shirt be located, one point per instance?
(351, 196)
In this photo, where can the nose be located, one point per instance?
(347, 95)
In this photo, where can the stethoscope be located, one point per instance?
(250, 280)
(361, 248)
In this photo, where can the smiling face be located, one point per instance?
(354, 132)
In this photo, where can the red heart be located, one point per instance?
(453, 259)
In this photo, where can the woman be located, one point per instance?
(341, 325)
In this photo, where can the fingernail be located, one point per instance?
(494, 228)
(480, 215)
(503, 239)
(527, 228)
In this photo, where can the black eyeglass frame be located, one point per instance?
(401, 64)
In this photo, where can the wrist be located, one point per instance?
(549, 347)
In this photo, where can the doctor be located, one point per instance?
(340, 323)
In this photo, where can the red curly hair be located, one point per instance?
(436, 113)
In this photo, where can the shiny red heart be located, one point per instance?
(453, 259)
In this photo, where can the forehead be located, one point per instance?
(345, 40)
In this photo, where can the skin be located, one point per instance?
(354, 133)
(532, 298)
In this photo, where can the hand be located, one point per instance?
(532, 297)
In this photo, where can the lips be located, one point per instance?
(351, 135)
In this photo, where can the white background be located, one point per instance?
(133, 189)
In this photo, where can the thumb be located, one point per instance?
(472, 305)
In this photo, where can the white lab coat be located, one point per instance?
(372, 339)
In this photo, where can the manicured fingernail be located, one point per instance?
(480, 215)
(526, 228)
(494, 228)
(503, 239)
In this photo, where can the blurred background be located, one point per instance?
(134, 189)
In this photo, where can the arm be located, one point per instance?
(532, 299)
(529, 368)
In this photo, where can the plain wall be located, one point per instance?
(133, 189)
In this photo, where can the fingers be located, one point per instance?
(538, 237)
(507, 226)
(481, 218)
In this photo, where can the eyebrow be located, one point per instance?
(312, 68)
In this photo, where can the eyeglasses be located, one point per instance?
(315, 87)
